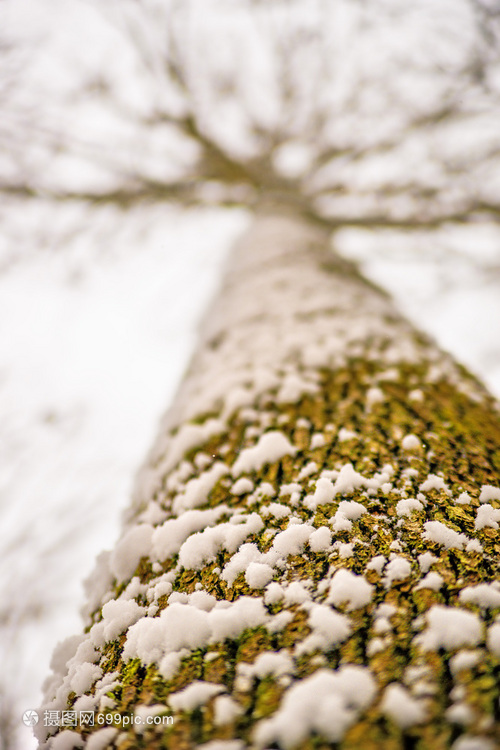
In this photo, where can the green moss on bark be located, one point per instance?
(460, 441)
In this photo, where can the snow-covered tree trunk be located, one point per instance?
(310, 557)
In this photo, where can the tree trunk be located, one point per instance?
(310, 557)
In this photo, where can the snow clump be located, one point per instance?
(350, 589)
(493, 639)
(397, 570)
(408, 506)
(328, 628)
(202, 548)
(182, 626)
(168, 538)
(401, 707)
(271, 447)
(485, 595)
(432, 581)
(327, 702)
(433, 482)
(488, 492)
(197, 490)
(410, 442)
(135, 543)
(438, 532)
(258, 575)
(320, 539)
(450, 628)
(196, 694)
(226, 710)
(487, 516)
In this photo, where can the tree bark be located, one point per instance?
(310, 557)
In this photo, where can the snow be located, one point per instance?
(292, 540)
(197, 490)
(117, 616)
(226, 710)
(347, 512)
(101, 739)
(473, 743)
(135, 543)
(345, 549)
(433, 482)
(348, 480)
(460, 713)
(326, 702)
(488, 492)
(187, 438)
(493, 638)
(410, 442)
(344, 435)
(450, 628)
(328, 627)
(350, 589)
(375, 646)
(258, 575)
(401, 707)
(271, 447)
(475, 546)
(307, 470)
(202, 600)
(222, 745)
(432, 581)
(324, 493)
(464, 660)
(231, 621)
(381, 626)
(277, 664)
(185, 626)
(198, 693)
(416, 395)
(408, 506)
(239, 562)
(398, 569)
(317, 441)
(179, 626)
(202, 548)
(351, 509)
(83, 679)
(242, 486)
(168, 538)
(374, 396)
(484, 595)
(438, 532)
(320, 539)
(296, 593)
(277, 510)
(278, 622)
(274, 593)
(487, 516)
(65, 650)
(377, 563)
(67, 740)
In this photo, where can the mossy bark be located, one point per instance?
(379, 403)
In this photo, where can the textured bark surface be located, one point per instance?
(352, 471)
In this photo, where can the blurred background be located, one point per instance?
(135, 139)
